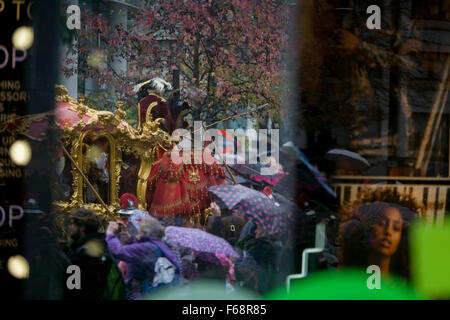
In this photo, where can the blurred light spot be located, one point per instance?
(96, 59)
(18, 267)
(23, 38)
(94, 153)
(20, 152)
(94, 248)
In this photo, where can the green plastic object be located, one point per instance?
(201, 290)
(430, 259)
(350, 284)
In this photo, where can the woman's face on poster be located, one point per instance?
(386, 232)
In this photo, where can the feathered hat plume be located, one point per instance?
(157, 84)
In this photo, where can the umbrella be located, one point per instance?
(199, 240)
(318, 176)
(285, 204)
(254, 204)
(347, 159)
(31, 206)
(299, 180)
(253, 171)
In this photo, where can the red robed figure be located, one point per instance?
(181, 189)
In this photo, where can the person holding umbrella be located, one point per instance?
(224, 223)
(267, 224)
(213, 256)
(199, 241)
(130, 217)
(151, 262)
(254, 205)
(129, 214)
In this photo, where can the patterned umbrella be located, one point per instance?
(199, 240)
(254, 204)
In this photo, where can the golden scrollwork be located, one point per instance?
(144, 172)
(62, 94)
(122, 138)
(148, 115)
(118, 167)
(194, 176)
(97, 208)
(120, 114)
(81, 108)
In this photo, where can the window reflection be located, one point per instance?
(96, 166)
(129, 174)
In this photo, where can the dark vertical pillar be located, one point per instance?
(40, 244)
(394, 85)
(34, 78)
(13, 75)
(42, 70)
(175, 98)
(176, 84)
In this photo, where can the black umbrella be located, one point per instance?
(306, 170)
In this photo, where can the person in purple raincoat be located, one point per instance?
(141, 255)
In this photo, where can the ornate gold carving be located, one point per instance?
(139, 117)
(194, 176)
(197, 186)
(81, 108)
(105, 117)
(97, 208)
(148, 114)
(114, 165)
(61, 93)
(208, 212)
(81, 99)
(116, 182)
(120, 114)
(21, 125)
(122, 137)
(144, 172)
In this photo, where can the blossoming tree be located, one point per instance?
(229, 52)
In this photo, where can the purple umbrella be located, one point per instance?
(199, 240)
(253, 204)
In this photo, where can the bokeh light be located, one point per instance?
(20, 152)
(23, 38)
(95, 248)
(93, 153)
(18, 267)
(96, 59)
